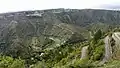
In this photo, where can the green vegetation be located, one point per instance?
(68, 55)
(112, 64)
(9, 62)
(64, 56)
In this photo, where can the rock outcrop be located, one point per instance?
(108, 49)
(84, 52)
(112, 47)
(116, 46)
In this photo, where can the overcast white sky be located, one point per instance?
(21, 5)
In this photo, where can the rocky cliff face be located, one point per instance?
(112, 45)
(108, 49)
(116, 45)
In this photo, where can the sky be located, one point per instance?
(23, 5)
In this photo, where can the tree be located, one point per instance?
(97, 35)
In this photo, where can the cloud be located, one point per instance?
(21, 5)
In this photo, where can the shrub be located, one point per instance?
(9, 62)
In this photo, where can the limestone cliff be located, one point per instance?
(112, 47)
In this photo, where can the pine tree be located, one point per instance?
(97, 35)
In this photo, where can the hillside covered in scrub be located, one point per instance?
(60, 38)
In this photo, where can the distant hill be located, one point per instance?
(22, 33)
